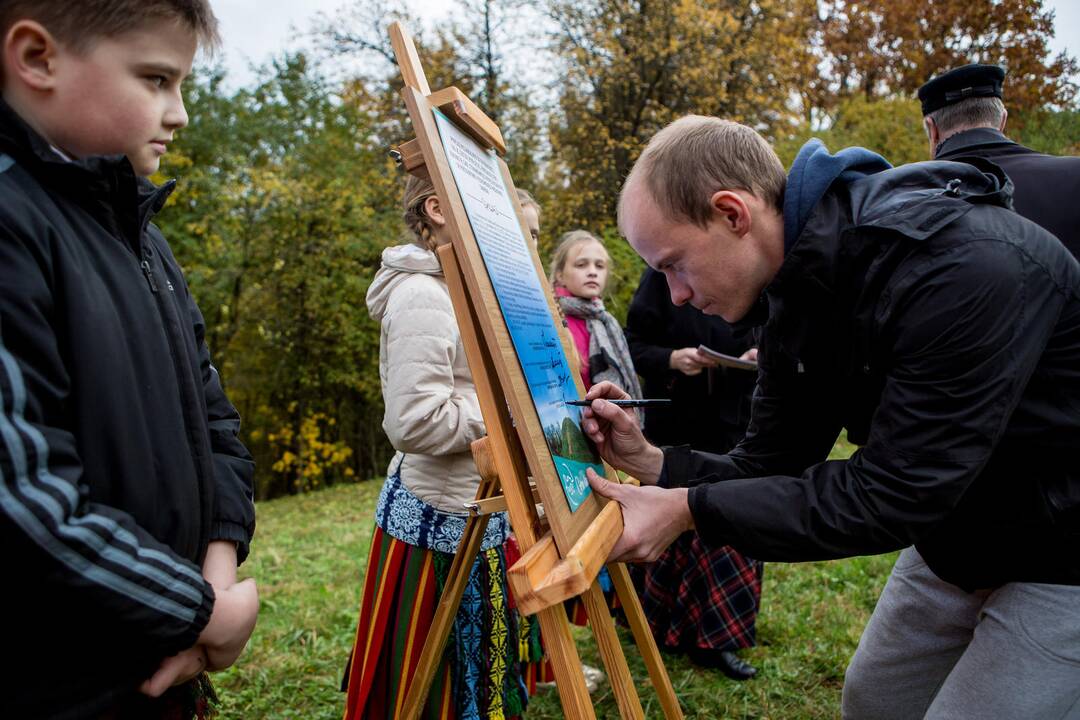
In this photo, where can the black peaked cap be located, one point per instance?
(959, 84)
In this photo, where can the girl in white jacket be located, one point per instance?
(432, 415)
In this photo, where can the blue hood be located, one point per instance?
(813, 171)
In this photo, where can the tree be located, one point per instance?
(891, 127)
(632, 66)
(469, 56)
(1052, 131)
(880, 48)
(284, 207)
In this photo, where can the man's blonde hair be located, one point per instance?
(696, 156)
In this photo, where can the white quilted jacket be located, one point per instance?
(432, 414)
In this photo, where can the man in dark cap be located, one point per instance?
(965, 116)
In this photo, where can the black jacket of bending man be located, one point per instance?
(119, 455)
(943, 331)
(1047, 186)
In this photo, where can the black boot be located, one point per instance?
(725, 661)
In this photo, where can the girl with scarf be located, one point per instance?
(579, 271)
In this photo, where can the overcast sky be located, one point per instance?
(254, 31)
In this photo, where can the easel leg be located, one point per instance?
(565, 663)
(449, 602)
(607, 639)
(646, 643)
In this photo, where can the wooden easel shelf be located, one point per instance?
(541, 578)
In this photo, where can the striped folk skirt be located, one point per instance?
(697, 595)
(486, 664)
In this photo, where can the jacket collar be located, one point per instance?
(915, 201)
(812, 173)
(105, 186)
(967, 140)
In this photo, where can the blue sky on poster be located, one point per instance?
(255, 31)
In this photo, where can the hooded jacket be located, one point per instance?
(432, 412)
(915, 309)
(119, 455)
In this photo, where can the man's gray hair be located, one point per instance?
(969, 113)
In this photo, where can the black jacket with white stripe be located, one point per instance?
(119, 454)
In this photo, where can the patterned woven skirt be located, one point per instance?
(696, 595)
(481, 674)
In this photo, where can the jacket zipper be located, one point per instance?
(176, 347)
(149, 273)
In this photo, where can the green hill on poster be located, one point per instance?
(575, 445)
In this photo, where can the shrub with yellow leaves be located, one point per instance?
(305, 457)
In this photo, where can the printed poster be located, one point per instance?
(507, 256)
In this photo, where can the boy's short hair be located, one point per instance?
(78, 23)
(694, 157)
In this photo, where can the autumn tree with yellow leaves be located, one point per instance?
(877, 48)
(632, 66)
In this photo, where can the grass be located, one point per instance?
(309, 558)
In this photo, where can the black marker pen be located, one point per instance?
(622, 403)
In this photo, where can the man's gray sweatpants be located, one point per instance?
(932, 650)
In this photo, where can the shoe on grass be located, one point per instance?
(725, 661)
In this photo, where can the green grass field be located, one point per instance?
(309, 557)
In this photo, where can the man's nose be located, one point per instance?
(680, 292)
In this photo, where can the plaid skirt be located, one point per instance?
(696, 595)
(481, 674)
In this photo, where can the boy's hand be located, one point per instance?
(231, 623)
(175, 670)
(689, 361)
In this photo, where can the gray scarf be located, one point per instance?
(609, 356)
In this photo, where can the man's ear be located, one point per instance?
(730, 209)
(1004, 119)
(931, 130)
(933, 134)
(433, 209)
(30, 53)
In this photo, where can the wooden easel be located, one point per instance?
(557, 563)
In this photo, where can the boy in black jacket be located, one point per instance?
(126, 496)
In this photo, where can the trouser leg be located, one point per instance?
(919, 629)
(1023, 661)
